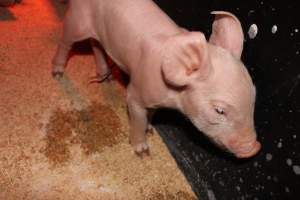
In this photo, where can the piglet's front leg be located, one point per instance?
(138, 125)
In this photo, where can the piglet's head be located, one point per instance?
(215, 90)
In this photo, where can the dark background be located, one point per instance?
(274, 64)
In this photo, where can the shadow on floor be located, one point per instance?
(5, 14)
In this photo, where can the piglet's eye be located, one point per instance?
(220, 111)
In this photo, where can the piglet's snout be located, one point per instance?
(244, 148)
(248, 151)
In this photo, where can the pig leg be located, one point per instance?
(60, 58)
(102, 70)
(138, 125)
(150, 128)
(72, 32)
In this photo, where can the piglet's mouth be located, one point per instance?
(248, 151)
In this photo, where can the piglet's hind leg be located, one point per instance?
(60, 59)
(102, 70)
(73, 31)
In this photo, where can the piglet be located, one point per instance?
(169, 67)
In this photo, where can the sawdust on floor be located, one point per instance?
(67, 139)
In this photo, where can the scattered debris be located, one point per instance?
(253, 30)
(274, 29)
(269, 157)
(296, 169)
(279, 145)
(289, 162)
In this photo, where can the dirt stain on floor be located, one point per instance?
(180, 195)
(78, 151)
(93, 129)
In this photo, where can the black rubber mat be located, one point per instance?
(273, 60)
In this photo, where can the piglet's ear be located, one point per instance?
(183, 56)
(227, 32)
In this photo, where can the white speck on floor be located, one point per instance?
(287, 190)
(253, 30)
(296, 169)
(211, 195)
(250, 11)
(275, 179)
(279, 145)
(269, 157)
(255, 164)
(289, 162)
(85, 185)
(222, 183)
(105, 189)
(274, 29)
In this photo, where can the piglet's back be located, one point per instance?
(122, 26)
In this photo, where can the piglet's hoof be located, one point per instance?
(100, 78)
(150, 130)
(141, 149)
(57, 75)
